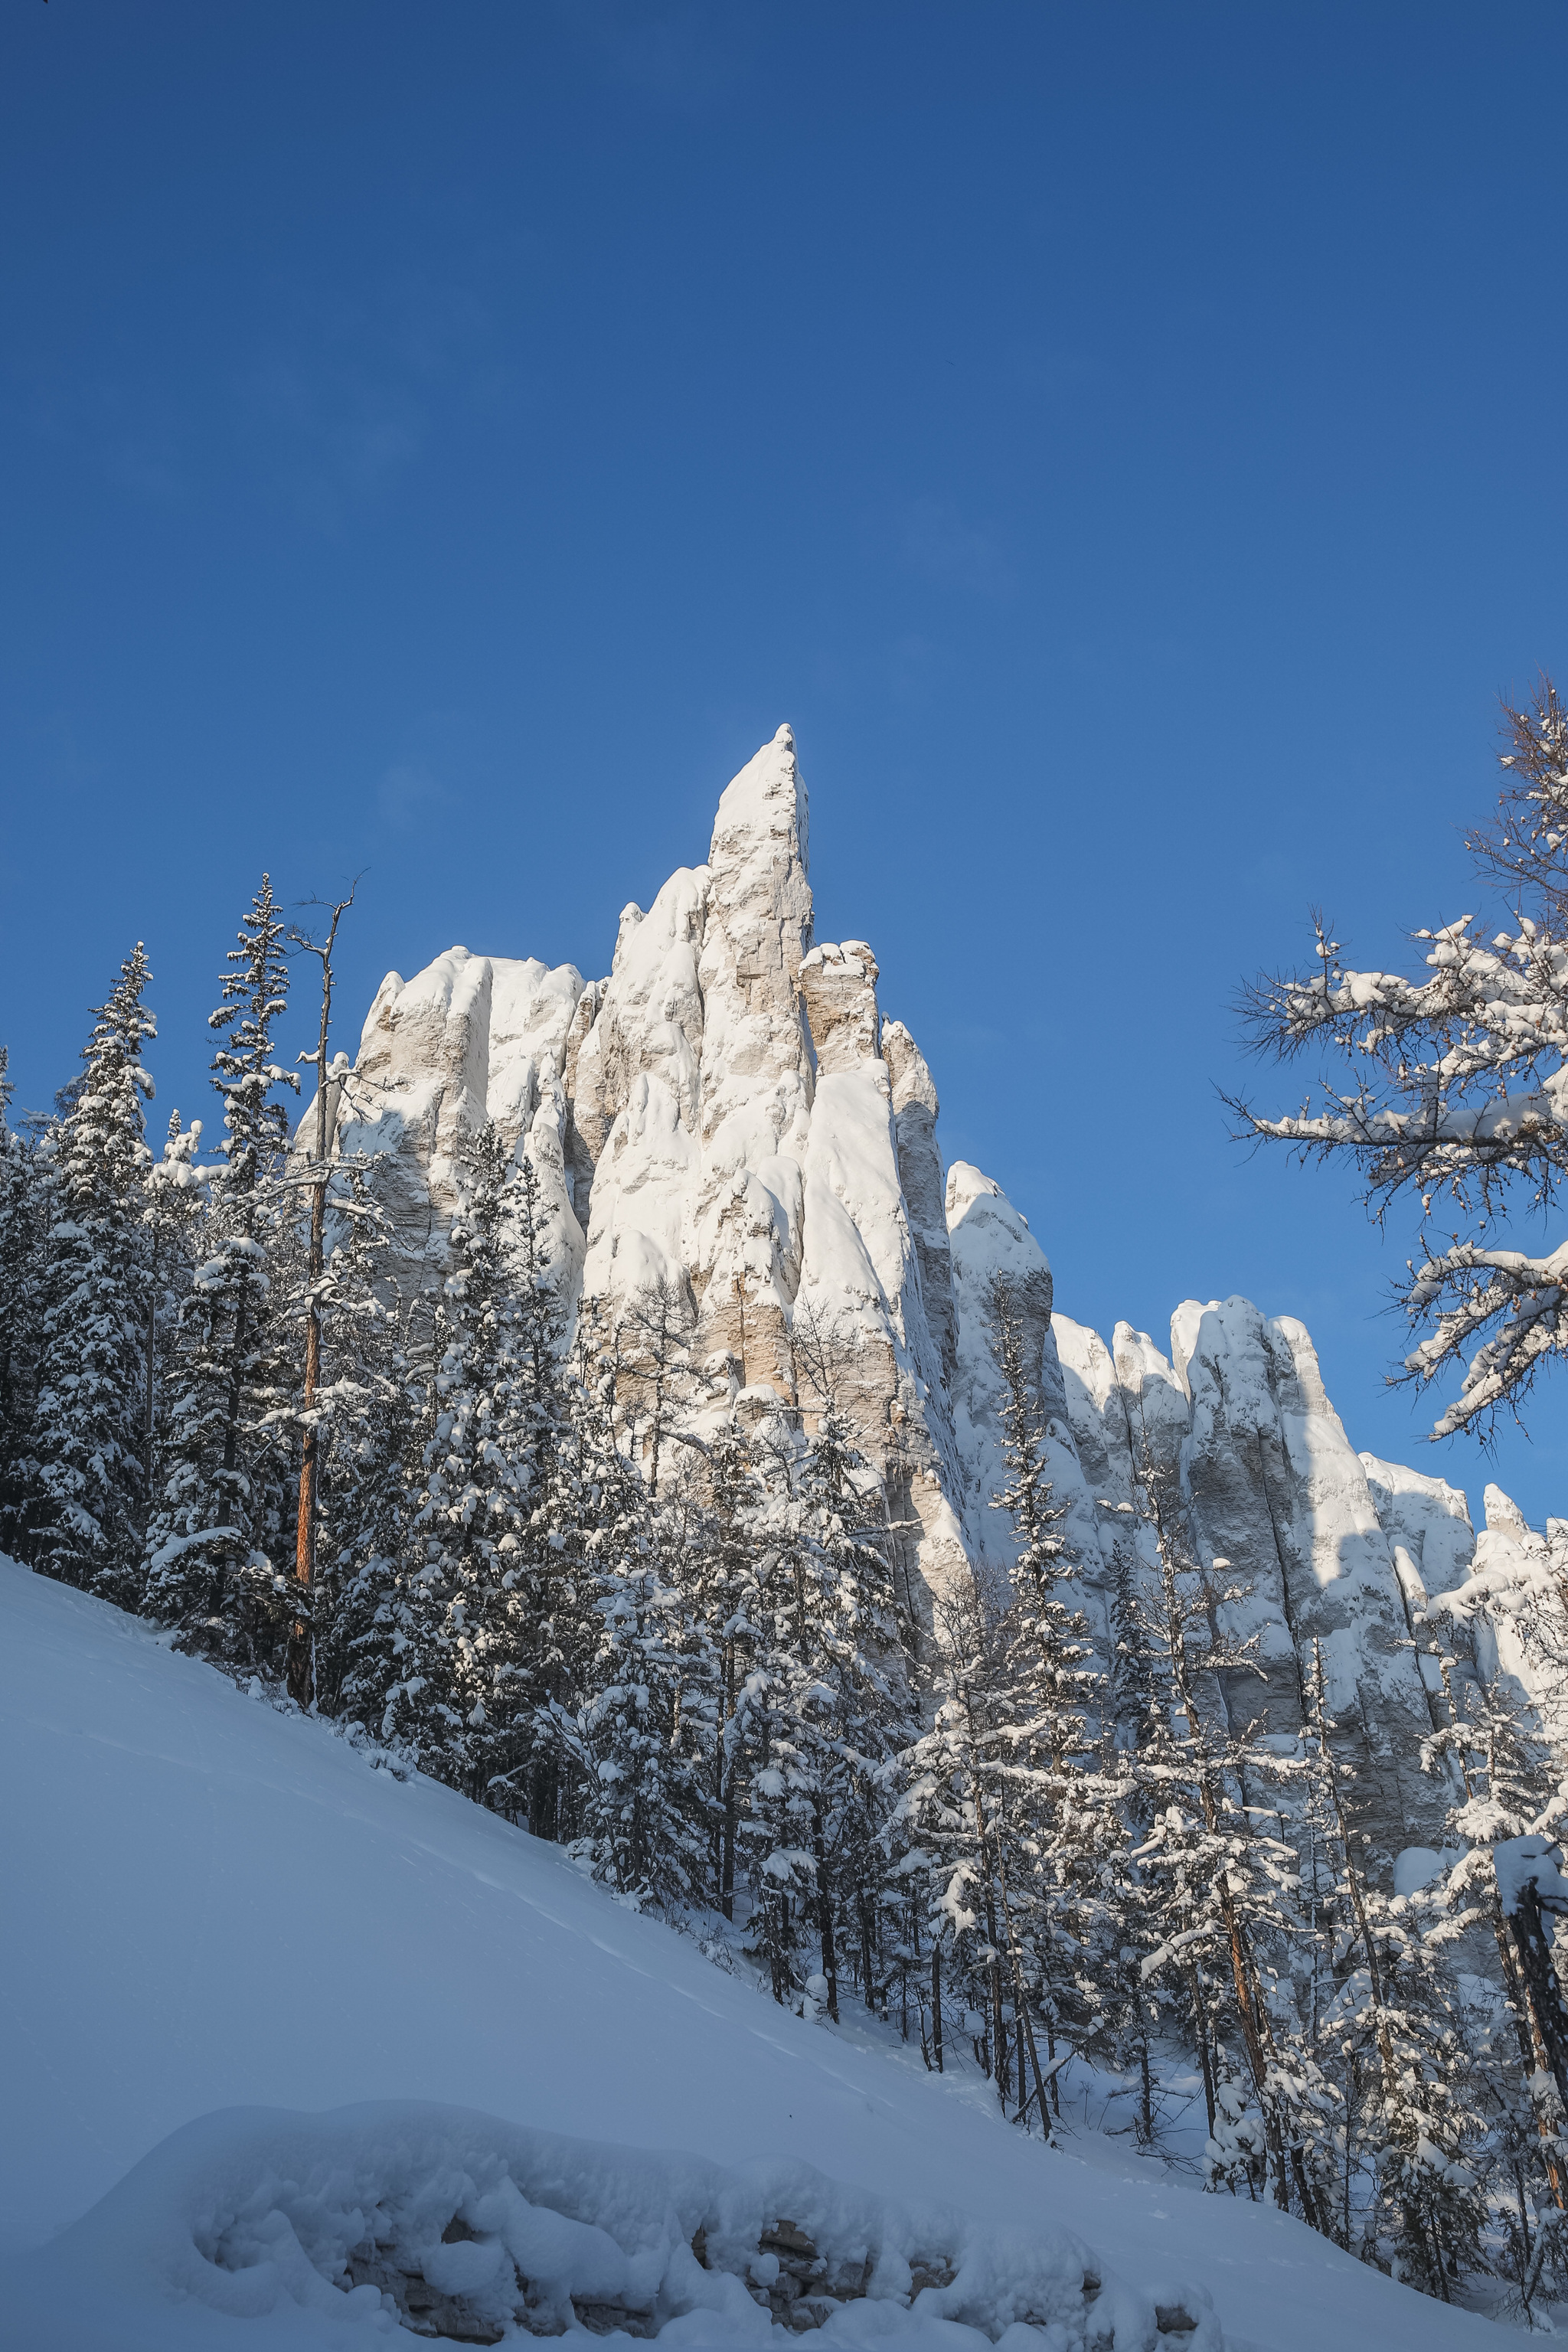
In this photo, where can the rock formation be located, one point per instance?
(728, 1121)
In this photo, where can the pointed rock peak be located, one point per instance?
(987, 1230)
(763, 812)
(1233, 1326)
(785, 735)
(1504, 1517)
(631, 916)
(1136, 1350)
(965, 1185)
(907, 1066)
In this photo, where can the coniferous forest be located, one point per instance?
(500, 1540)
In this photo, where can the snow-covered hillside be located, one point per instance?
(211, 1906)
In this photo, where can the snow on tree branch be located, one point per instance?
(1454, 1088)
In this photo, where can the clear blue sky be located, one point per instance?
(1127, 443)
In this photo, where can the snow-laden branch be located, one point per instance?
(1458, 1091)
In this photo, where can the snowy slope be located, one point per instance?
(213, 1905)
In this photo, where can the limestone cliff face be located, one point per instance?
(728, 1120)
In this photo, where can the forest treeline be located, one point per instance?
(542, 1557)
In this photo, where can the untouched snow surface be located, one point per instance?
(210, 1905)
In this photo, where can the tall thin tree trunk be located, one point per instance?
(936, 2003)
(1024, 2023)
(866, 1958)
(230, 1449)
(151, 1347)
(824, 1914)
(727, 1792)
(302, 1667)
(1205, 2057)
(1538, 1970)
(1252, 2037)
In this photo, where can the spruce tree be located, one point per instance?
(1413, 2127)
(1057, 1699)
(27, 1199)
(217, 1547)
(93, 1375)
(450, 1703)
(656, 1344)
(366, 1622)
(1219, 1909)
(174, 1206)
(721, 1592)
(973, 1816)
(364, 1410)
(772, 1764)
(810, 1640)
(855, 1699)
(1505, 1790)
(944, 1826)
(641, 1809)
(554, 1416)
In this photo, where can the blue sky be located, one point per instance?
(1125, 442)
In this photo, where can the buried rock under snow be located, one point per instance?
(439, 2222)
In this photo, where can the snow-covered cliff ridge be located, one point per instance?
(728, 1115)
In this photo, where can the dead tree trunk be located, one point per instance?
(1524, 1906)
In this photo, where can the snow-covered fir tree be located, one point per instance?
(26, 1204)
(364, 1410)
(724, 1536)
(216, 1546)
(88, 1423)
(961, 1814)
(773, 1764)
(1496, 1754)
(855, 1645)
(1218, 1910)
(1061, 1780)
(450, 1703)
(656, 1339)
(821, 1709)
(1409, 2194)
(173, 1206)
(642, 1806)
(547, 1578)
(363, 1611)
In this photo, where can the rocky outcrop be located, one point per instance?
(714, 1122)
(469, 1038)
(726, 1121)
(914, 1101)
(839, 989)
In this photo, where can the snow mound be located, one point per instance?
(403, 2217)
